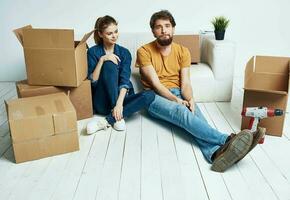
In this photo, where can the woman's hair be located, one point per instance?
(101, 24)
(163, 14)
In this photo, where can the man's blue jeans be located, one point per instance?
(106, 92)
(208, 139)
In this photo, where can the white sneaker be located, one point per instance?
(120, 125)
(96, 125)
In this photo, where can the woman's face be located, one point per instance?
(110, 34)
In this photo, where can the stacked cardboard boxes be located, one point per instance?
(267, 84)
(52, 59)
(80, 97)
(43, 122)
(42, 126)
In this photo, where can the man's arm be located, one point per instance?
(150, 75)
(186, 89)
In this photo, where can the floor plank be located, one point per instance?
(191, 176)
(130, 184)
(90, 178)
(151, 185)
(172, 183)
(214, 182)
(110, 179)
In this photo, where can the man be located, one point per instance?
(164, 67)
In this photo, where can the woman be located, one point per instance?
(109, 69)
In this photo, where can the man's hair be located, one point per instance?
(163, 14)
(101, 24)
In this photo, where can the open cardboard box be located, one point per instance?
(267, 84)
(52, 57)
(81, 97)
(42, 126)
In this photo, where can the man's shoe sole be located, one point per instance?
(236, 150)
(258, 136)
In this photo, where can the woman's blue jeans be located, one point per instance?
(106, 91)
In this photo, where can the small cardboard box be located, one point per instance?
(52, 57)
(42, 126)
(192, 43)
(266, 84)
(81, 97)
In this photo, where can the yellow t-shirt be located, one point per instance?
(167, 67)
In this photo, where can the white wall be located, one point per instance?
(258, 26)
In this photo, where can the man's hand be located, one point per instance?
(118, 112)
(191, 105)
(181, 101)
(112, 57)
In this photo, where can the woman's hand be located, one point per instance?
(112, 57)
(118, 112)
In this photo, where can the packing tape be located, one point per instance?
(39, 110)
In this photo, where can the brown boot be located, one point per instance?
(235, 148)
(257, 136)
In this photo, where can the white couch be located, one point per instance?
(211, 79)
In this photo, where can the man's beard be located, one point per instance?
(164, 42)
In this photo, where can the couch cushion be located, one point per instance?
(202, 82)
(201, 71)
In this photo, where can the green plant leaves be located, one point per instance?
(220, 23)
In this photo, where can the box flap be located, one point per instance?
(26, 90)
(272, 64)
(19, 33)
(86, 36)
(267, 91)
(267, 81)
(267, 73)
(249, 69)
(64, 119)
(6, 106)
(48, 38)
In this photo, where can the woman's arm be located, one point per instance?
(112, 57)
(125, 70)
(95, 65)
(96, 73)
(118, 109)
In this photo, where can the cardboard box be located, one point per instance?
(52, 57)
(266, 84)
(45, 147)
(42, 126)
(192, 43)
(81, 97)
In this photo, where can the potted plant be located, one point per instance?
(220, 24)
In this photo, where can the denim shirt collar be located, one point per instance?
(116, 49)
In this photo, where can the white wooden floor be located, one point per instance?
(152, 160)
